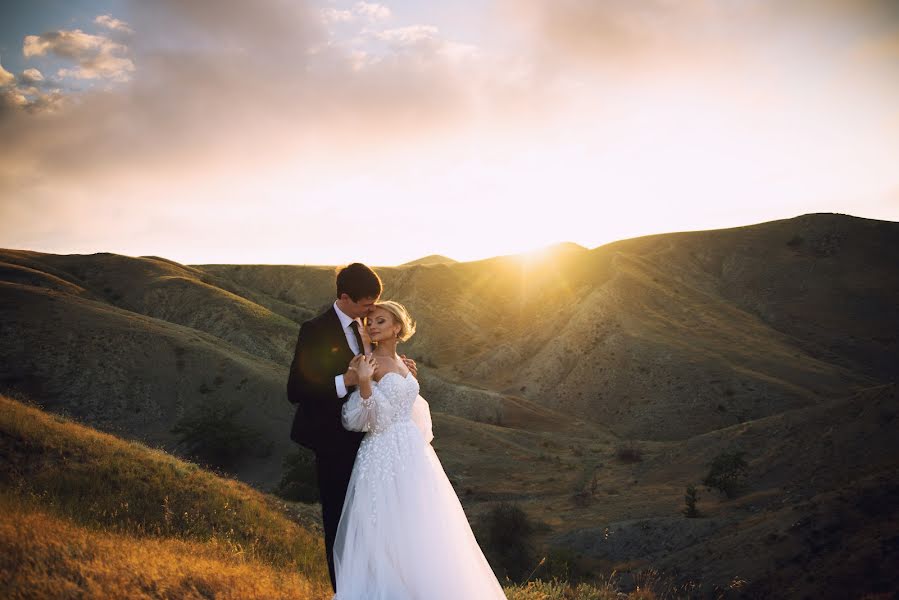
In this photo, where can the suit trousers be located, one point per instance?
(333, 473)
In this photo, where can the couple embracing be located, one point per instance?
(394, 527)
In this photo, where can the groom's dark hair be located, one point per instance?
(358, 281)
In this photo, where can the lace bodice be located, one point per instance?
(391, 402)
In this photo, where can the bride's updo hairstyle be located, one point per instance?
(401, 316)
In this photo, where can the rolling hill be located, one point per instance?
(86, 514)
(776, 339)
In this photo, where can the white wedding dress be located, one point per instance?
(402, 533)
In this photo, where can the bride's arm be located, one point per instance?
(359, 412)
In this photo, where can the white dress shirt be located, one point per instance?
(345, 321)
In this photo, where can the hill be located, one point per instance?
(87, 514)
(818, 513)
(431, 259)
(134, 375)
(662, 337)
(545, 371)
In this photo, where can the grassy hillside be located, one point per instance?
(818, 508)
(164, 290)
(84, 511)
(135, 375)
(86, 514)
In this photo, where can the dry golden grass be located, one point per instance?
(48, 557)
(560, 590)
(77, 489)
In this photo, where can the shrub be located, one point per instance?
(213, 434)
(629, 451)
(299, 482)
(505, 535)
(565, 565)
(690, 499)
(726, 473)
(581, 499)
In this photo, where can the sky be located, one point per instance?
(294, 132)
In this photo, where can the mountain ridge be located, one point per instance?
(684, 345)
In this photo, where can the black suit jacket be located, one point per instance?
(321, 354)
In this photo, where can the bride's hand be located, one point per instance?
(351, 377)
(365, 366)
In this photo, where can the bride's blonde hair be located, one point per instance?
(401, 316)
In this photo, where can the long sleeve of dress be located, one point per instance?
(421, 416)
(362, 415)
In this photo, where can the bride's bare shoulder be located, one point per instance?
(386, 365)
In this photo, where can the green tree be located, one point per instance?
(690, 499)
(726, 473)
(505, 534)
(213, 434)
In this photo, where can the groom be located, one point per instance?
(320, 382)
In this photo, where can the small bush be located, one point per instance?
(726, 473)
(505, 535)
(581, 499)
(629, 451)
(690, 499)
(587, 494)
(299, 482)
(213, 434)
(565, 565)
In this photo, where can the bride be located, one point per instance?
(402, 533)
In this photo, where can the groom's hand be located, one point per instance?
(411, 365)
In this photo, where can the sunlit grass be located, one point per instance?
(103, 486)
(45, 556)
(561, 590)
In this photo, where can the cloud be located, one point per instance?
(221, 100)
(334, 15)
(623, 35)
(658, 34)
(369, 11)
(32, 76)
(412, 35)
(110, 22)
(98, 57)
(237, 84)
(23, 94)
(69, 44)
(372, 10)
(114, 68)
(6, 78)
(424, 42)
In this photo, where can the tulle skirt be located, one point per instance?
(403, 534)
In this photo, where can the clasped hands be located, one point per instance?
(365, 367)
